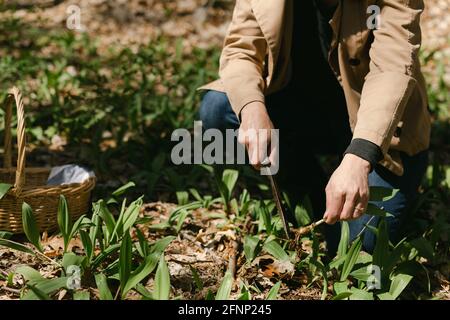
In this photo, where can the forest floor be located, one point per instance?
(206, 242)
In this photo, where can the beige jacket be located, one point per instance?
(378, 69)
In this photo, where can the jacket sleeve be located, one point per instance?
(391, 79)
(242, 59)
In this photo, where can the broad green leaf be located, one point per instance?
(336, 263)
(301, 216)
(146, 295)
(161, 245)
(102, 285)
(131, 214)
(87, 244)
(141, 272)
(81, 295)
(5, 235)
(345, 236)
(273, 248)
(182, 217)
(30, 227)
(46, 286)
(125, 260)
(15, 246)
(250, 246)
(71, 259)
(351, 258)
(123, 189)
(340, 287)
(342, 296)
(385, 296)
(382, 193)
(361, 273)
(373, 210)
(64, 221)
(398, 284)
(381, 251)
(358, 294)
(225, 287)
(104, 254)
(4, 188)
(182, 197)
(273, 293)
(30, 274)
(423, 247)
(162, 281)
(229, 177)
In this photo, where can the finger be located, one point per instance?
(253, 155)
(349, 207)
(361, 206)
(334, 204)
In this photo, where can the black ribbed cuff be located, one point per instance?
(366, 150)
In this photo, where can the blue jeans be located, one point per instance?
(301, 138)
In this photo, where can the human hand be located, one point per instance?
(255, 133)
(347, 192)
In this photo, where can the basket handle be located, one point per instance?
(15, 95)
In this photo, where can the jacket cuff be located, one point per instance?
(366, 150)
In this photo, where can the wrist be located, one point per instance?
(357, 162)
(252, 108)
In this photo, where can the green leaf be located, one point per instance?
(15, 246)
(273, 248)
(345, 236)
(64, 221)
(340, 287)
(42, 289)
(106, 216)
(162, 281)
(342, 296)
(141, 272)
(123, 189)
(30, 227)
(424, 248)
(102, 285)
(358, 294)
(250, 246)
(4, 188)
(351, 258)
(273, 293)
(87, 244)
(30, 274)
(382, 193)
(398, 284)
(229, 178)
(71, 259)
(161, 245)
(125, 260)
(225, 288)
(5, 235)
(182, 197)
(301, 216)
(81, 295)
(385, 296)
(381, 251)
(373, 210)
(181, 218)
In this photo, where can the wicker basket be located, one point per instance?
(29, 184)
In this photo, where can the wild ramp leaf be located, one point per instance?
(102, 285)
(15, 246)
(250, 246)
(30, 226)
(225, 288)
(162, 281)
(377, 193)
(4, 188)
(351, 258)
(345, 236)
(125, 256)
(64, 221)
(273, 248)
(273, 293)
